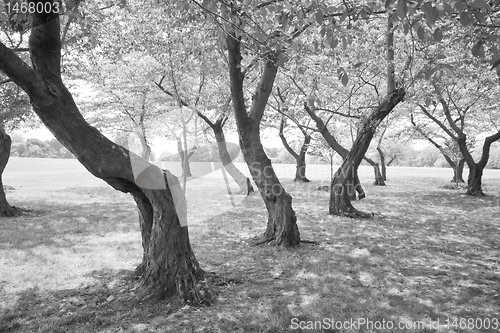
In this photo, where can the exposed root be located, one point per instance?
(195, 291)
(309, 242)
(9, 211)
(264, 241)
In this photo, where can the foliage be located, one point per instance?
(33, 147)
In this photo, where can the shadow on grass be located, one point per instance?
(54, 224)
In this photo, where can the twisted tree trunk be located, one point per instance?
(169, 266)
(340, 202)
(282, 223)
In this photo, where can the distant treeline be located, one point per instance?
(34, 147)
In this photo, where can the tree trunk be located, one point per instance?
(474, 186)
(382, 163)
(146, 149)
(185, 156)
(6, 210)
(242, 181)
(282, 223)
(458, 171)
(169, 266)
(337, 147)
(340, 203)
(300, 169)
(300, 158)
(379, 179)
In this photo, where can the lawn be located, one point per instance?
(429, 257)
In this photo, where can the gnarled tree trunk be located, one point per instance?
(6, 210)
(340, 202)
(474, 181)
(282, 223)
(169, 266)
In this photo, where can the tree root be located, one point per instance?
(309, 242)
(264, 241)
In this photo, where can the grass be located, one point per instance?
(429, 254)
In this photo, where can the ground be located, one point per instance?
(430, 253)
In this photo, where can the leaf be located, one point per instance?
(448, 8)
(428, 101)
(345, 79)
(406, 27)
(431, 14)
(438, 74)
(495, 64)
(438, 35)
(301, 70)
(359, 64)
(402, 8)
(480, 4)
(334, 41)
(261, 37)
(364, 14)
(465, 19)
(478, 49)
(428, 73)
(319, 17)
(344, 43)
(421, 33)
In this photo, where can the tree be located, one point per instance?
(340, 203)
(169, 266)
(448, 150)
(286, 112)
(217, 127)
(300, 158)
(282, 223)
(14, 108)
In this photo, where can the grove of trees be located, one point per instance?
(357, 78)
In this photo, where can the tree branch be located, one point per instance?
(437, 121)
(284, 141)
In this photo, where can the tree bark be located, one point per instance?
(382, 163)
(6, 210)
(300, 168)
(169, 266)
(379, 179)
(242, 181)
(185, 156)
(458, 172)
(474, 181)
(340, 203)
(282, 227)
